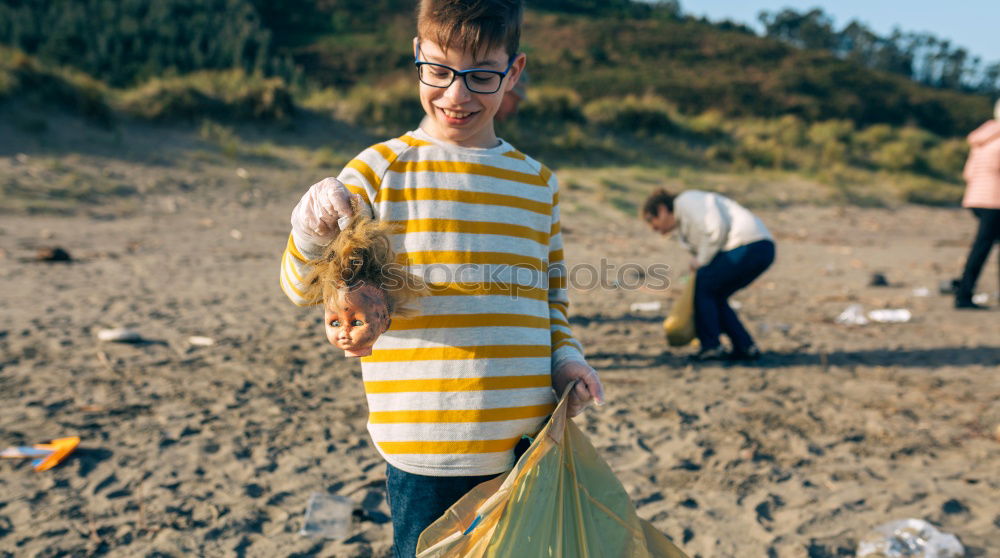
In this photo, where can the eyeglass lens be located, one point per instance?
(477, 82)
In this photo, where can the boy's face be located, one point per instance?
(356, 318)
(456, 114)
(663, 222)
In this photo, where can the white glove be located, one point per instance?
(588, 389)
(323, 212)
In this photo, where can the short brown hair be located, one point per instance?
(471, 25)
(652, 204)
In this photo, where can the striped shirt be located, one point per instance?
(452, 390)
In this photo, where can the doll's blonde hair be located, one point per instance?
(362, 254)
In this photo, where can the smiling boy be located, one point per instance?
(452, 390)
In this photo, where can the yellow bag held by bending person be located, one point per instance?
(561, 501)
(679, 325)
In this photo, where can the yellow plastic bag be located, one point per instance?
(679, 325)
(560, 500)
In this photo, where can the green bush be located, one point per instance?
(395, 108)
(947, 159)
(931, 192)
(908, 152)
(917, 137)
(791, 131)
(551, 105)
(830, 140)
(719, 153)
(23, 78)
(754, 152)
(325, 99)
(226, 95)
(874, 136)
(896, 155)
(709, 125)
(648, 114)
(838, 131)
(123, 41)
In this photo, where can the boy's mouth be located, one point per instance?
(456, 117)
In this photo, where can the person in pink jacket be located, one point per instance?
(982, 196)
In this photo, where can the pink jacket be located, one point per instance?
(982, 169)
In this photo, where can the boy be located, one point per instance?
(451, 391)
(730, 248)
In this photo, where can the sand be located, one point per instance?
(214, 450)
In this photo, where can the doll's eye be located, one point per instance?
(357, 323)
(335, 323)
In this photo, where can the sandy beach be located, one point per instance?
(214, 450)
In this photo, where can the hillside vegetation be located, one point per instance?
(599, 49)
(613, 84)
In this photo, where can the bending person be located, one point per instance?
(982, 196)
(730, 247)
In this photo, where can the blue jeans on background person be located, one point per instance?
(416, 501)
(727, 273)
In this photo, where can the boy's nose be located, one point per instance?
(457, 92)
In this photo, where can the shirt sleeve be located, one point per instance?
(361, 176)
(565, 346)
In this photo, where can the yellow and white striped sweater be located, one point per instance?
(452, 390)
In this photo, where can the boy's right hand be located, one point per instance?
(317, 213)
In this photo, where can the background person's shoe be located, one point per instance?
(750, 354)
(967, 304)
(705, 355)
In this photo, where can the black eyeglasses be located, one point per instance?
(476, 80)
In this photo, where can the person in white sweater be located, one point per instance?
(730, 247)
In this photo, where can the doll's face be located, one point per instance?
(356, 318)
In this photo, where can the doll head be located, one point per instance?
(361, 286)
(355, 317)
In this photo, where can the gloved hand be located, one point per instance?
(323, 211)
(588, 389)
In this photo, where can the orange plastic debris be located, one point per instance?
(46, 456)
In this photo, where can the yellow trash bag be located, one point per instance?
(679, 325)
(560, 500)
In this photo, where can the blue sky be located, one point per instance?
(972, 24)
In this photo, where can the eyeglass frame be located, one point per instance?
(418, 63)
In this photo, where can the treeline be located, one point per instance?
(700, 67)
(599, 48)
(122, 42)
(125, 42)
(664, 9)
(923, 57)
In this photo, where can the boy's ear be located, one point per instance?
(416, 44)
(520, 60)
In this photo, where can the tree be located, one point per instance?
(813, 29)
(124, 41)
(922, 57)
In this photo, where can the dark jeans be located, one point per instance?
(727, 273)
(987, 235)
(416, 501)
